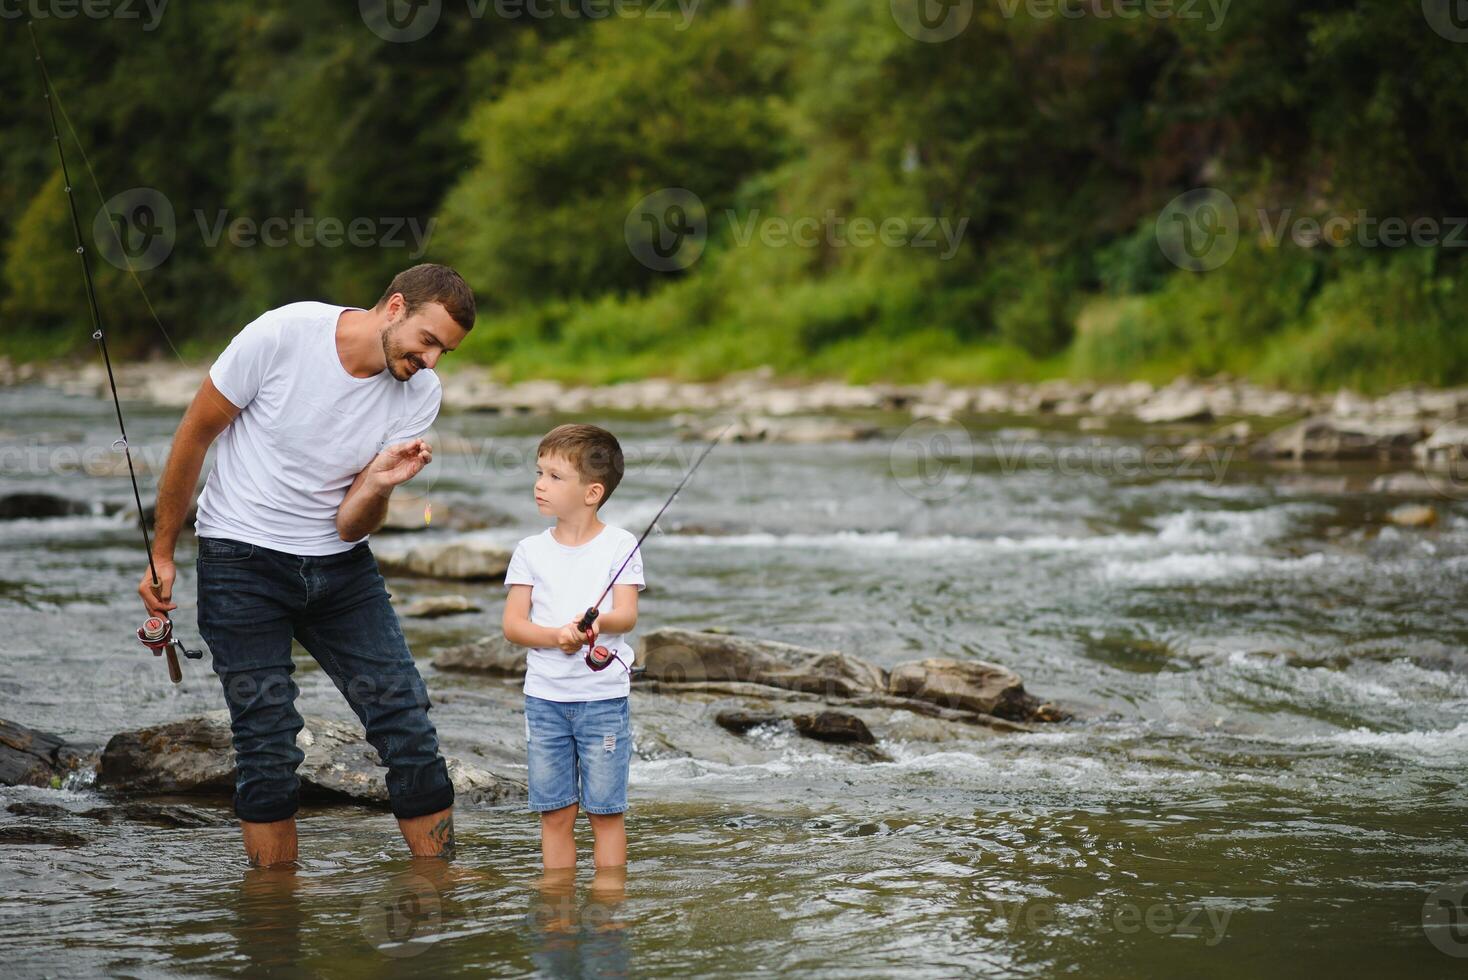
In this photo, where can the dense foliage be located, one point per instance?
(1022, 170)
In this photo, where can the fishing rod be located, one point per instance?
(599, 657)
(156, 633)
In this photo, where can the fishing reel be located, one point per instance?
(599, 657)
(156, 634)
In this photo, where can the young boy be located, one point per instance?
(577, 721)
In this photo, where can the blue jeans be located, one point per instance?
(252, 602)
(578, 751)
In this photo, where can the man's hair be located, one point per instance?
(594, 452)
(430, 283)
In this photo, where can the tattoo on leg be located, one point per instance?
(443, 835)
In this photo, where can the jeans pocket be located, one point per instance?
(222, 551)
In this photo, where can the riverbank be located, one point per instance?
(1419, 428)
(472, 388)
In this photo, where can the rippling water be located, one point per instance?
(1267, 768)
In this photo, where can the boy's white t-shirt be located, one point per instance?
(564, 582)
(306, 429)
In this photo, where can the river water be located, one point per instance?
(1265, 772)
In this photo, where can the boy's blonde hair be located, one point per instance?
(594, 452)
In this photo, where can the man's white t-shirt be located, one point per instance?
(305, 430)
(564, 582)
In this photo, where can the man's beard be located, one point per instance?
(394, 355)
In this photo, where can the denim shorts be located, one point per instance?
(578, 751)
(253, 602)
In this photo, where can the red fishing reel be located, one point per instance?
(597, 657)
(156, 634)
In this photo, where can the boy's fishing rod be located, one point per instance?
(598, 657)
(156, 633)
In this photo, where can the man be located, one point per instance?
(320, 411)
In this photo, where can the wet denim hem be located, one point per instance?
(422, 804)
(259, 813)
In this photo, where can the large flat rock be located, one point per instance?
(679, 655)
(32, 758)
(464, 560)
(966, 685)
(195, 755)
(488, 655)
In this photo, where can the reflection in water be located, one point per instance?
(579, 939)
(268, 928)
(405, 916)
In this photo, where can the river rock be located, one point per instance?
(172, 388)
(194, 755)
(44, 836)
(170, 815)
(741, 720)
(1325, 437)
(677, 655)
(1445, 449)
(434, 607)
(796, 430)
(14, 506)
(462, 560)
(1413, 515)
(1120, 399)
(968, 685)
(487, 655)
(825, 726)
(1235, 434)
(32, 758)
(834, 726)
(829, 674)
(1175, 404)
(1408, 483)
(35, 808)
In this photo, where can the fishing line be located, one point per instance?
(598, 657)
(157, 632)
